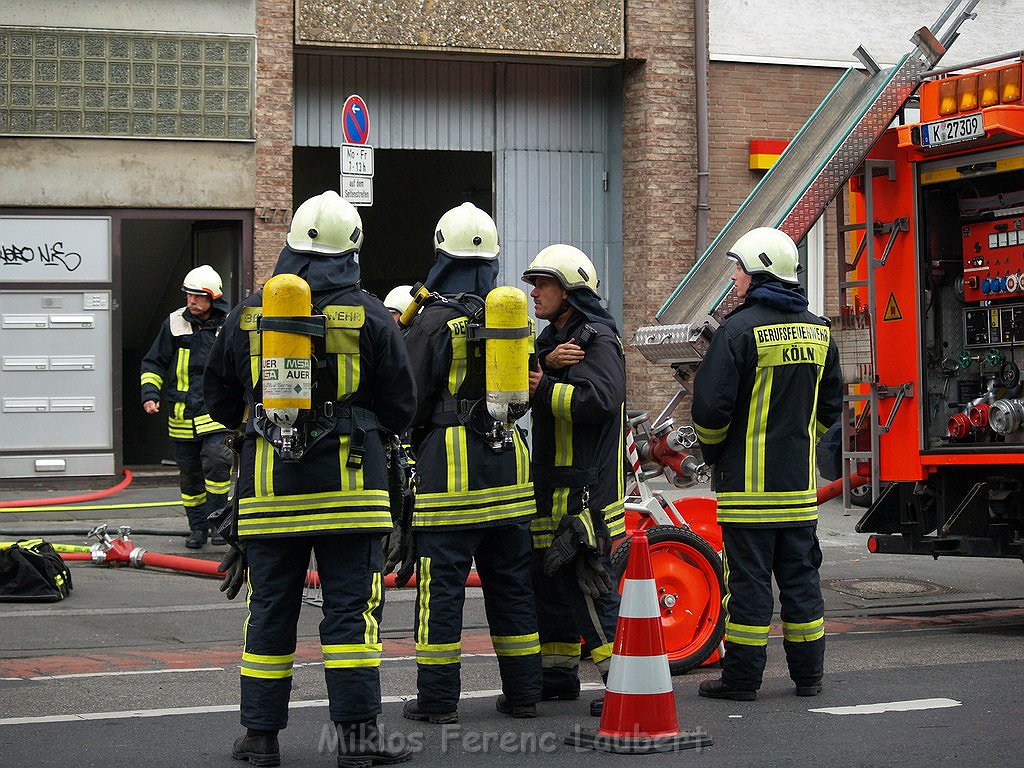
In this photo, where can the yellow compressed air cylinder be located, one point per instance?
(286, 366)
(506, 372)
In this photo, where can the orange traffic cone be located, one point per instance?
(639, 705)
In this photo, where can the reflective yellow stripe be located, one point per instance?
(516, 645)
(197, 500)
(561, 408)
(602, 652)
(457, 327)
(267, 667)
(217, 488)
(757, 425)
(615, 517)
(468, 507)
(372, 634)
(263, 474)
(522, 458)
(560, 655)
(561, 401)
(351, 478)
(442, 653)
(746, 634)
(204, 424)
(804, 633)
(543, 528)
(254, 357)
(306, 512)
(351, 655)
(153, 378)
(344, 324)
(588, 527)
(423, 596)
(770, 507)
(710, 436)
(181, 369)
(458, 459)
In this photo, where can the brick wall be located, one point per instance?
(659, 176)
(274, 95)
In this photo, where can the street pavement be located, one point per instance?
(140, 667)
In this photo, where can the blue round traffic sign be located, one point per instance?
(355, 120)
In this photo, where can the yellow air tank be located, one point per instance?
(507, 352)
(286, 371)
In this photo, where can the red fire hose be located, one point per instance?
(835, 488)
(125, 482)
(124, 552)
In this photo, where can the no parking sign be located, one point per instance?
(356, 154)
(355, 120)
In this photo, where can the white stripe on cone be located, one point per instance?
(639, 675)
(639, 600)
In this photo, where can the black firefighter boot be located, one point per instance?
(361, 745)
(258, 747)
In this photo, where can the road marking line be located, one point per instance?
(889, 706)
(129, 672)
(83, 716)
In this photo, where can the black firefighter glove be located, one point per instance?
(234, 566)
(400, 554)
(575, 543)
(591, 575)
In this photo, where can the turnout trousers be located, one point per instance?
(502, 555)
(349, 566)
(205, 476)
(751, 556)
(564, 615)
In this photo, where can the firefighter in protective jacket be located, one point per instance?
(768, 388)
(328, 494)
(474, 498)
(578, 400)
(173, 370)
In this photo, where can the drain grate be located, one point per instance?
(881, 587)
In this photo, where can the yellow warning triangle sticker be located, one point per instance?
(892, 310)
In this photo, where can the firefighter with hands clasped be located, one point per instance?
(315, 479)
(176, 359)
(474, 497)
(769, 386)
(578, 401)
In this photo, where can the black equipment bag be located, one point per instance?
(31, 571)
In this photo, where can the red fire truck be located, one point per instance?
(934, 323)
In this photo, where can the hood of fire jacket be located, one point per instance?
(787, 298)
(322, 271)
(450, 275)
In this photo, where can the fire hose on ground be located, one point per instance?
(121, 550)
(92, 496)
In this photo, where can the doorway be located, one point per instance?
(411, 190)
(155, 254)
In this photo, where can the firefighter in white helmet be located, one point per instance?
(398, 300)
(172, 371)
(769, 386)
(474, 498)
(328, 493)
(577, 395)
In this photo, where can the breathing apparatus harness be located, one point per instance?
(475, 405)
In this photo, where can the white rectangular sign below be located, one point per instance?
(358, 190)
(357, 160)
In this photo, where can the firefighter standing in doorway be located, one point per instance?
(578, 402)
(176, 359)
(324, 489)
(769, 386)
(474, 499)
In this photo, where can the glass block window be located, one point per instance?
(69, 82)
